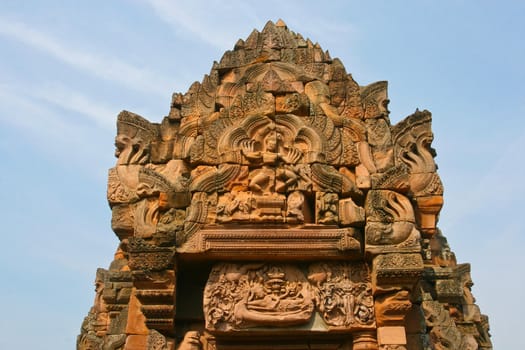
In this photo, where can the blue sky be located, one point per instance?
(68, 67)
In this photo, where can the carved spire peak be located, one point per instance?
(274, 43)
(280, 23)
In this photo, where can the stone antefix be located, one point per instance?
(277, 207)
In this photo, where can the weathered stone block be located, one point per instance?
(351, 214)
(136, 342)
(391, 335)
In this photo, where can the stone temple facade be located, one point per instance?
(276, 207)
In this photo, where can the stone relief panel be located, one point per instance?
(244, 296)
(343, 294)
(247, 296)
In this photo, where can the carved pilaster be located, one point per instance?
(116, 295)
(153, 270)
(395, 275)
(396, 270)
(453, 289)
(365, 341)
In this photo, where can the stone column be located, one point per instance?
(394, 276)
(152, 304)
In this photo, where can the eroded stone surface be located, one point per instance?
(276, 200)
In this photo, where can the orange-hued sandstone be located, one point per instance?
(277, 207)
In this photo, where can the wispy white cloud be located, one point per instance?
(498, 186)
(35, 98)
(102, 115)
(25, 114)
(64, 137)
(239, 17)
(105, 67)
(182, 16)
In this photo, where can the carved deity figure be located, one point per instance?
(294, 211)
(274, 154)
(327, 208)
(234, 206)
(319, 96)
(343, 294)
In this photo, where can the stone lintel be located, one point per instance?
(275, 244)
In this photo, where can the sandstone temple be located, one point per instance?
(276, 207)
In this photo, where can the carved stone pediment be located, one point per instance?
(276, 206)
(260, 296)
